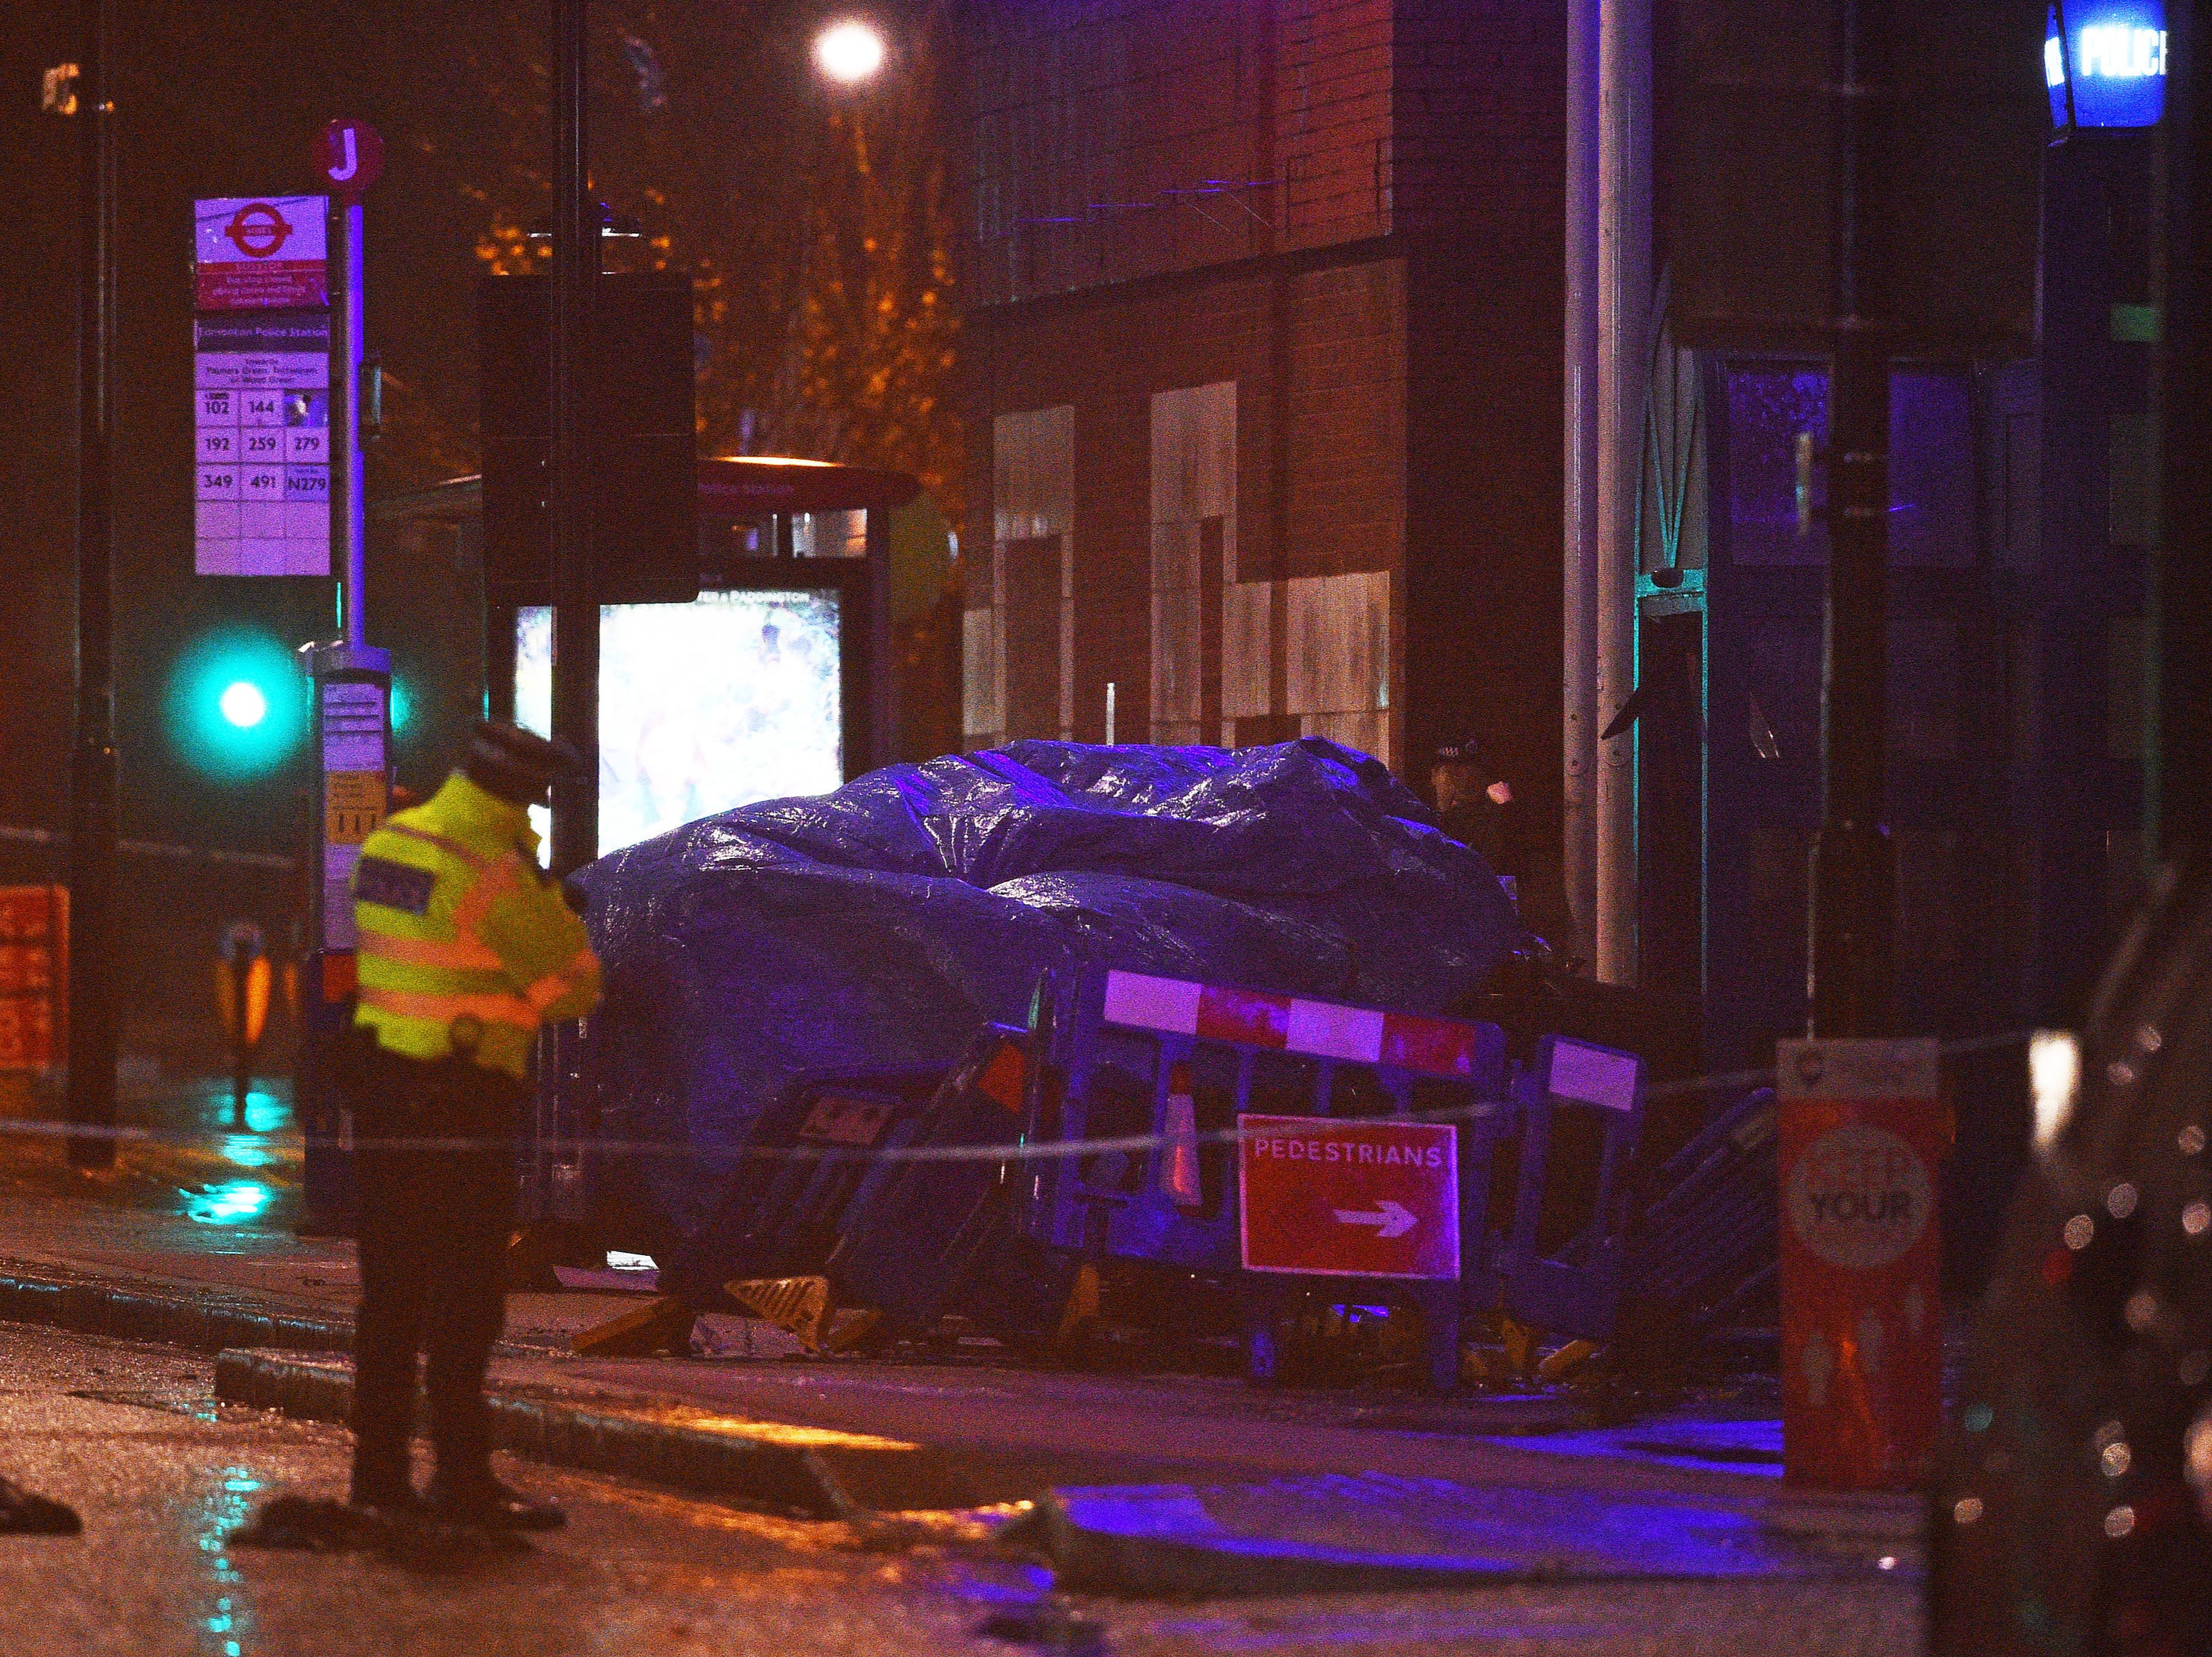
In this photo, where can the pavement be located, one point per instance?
(1147, 1484)
(163, 1474)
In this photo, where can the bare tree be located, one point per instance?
(816, 223)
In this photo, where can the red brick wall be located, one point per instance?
(1398, 402)
(1082, 117)
(1479, 144)
(1114, 141)
(1125, 138)
(1345, 453)
(1332, 104)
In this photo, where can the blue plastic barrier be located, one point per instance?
(1572, 1286)
(1175, 1064)
(812, 1152)
(926, 1236)
(1703, 1249)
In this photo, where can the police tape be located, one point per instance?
(995, 1152)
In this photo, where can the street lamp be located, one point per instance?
(849, 52)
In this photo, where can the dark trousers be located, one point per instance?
(434, 1223)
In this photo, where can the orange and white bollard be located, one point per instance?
(242, 978)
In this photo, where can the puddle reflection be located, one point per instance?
(233, 1202)
(265, 1112)
(241, 1151)
(225, 1508)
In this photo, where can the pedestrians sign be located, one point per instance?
(261, 376)
(1349, 1197)
(1861, 1135)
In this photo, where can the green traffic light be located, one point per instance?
(237, 705)
(244, 704)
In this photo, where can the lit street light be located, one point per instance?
(849, 52)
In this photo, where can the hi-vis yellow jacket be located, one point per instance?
(465, 944)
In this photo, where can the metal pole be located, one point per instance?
(1850, 972)
(1579, 586)
(575, 597)
(2177, 737)
(95, 768)
(348, 514)
(1623, 165)
(352, 693)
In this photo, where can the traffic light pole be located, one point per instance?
(96, 766)
(1854, 871)
(576, 228)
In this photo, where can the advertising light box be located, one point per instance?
(703, 706)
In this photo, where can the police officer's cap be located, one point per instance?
(1466, 751)
(518, 764)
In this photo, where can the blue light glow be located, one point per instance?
(265, 1112)
(2112, 57)
(241, 1152)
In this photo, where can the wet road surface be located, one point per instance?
(128, 1434)
(181, 1152)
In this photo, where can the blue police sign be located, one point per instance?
(2104, 62)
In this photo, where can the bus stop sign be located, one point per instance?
(349, 156)
(1337, 1198)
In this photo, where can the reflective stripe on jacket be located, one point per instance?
(463, 936)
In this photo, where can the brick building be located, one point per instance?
(1262, 365)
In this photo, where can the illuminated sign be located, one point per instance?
(735, 698)
(2105, 64)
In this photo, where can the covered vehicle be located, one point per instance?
(884, 924)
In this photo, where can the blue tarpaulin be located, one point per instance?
(883, 923)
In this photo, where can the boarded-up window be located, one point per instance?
(1193, 522)
(1032, 612)
(1020, 621)
(1337, 664)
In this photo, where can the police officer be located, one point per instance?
(466, 947)
(1477, 809)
